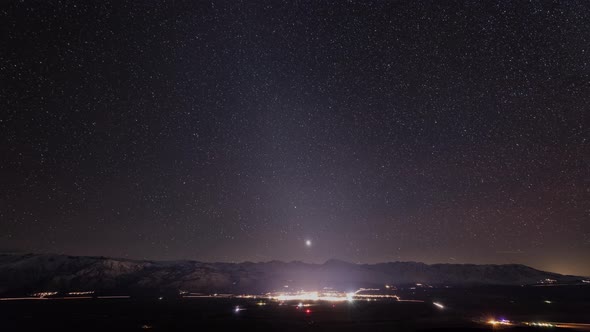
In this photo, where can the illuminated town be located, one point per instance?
(307, 302)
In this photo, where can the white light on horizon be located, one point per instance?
(349, 297)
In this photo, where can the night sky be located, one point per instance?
(367, 131)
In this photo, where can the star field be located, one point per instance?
(432, 131)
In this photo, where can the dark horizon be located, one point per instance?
(368, 131)
(23, 253)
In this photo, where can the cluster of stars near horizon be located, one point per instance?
(228, 131)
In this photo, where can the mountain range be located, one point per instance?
(26, 273)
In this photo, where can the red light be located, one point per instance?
(308, 311)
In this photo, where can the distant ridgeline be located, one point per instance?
(31, 273)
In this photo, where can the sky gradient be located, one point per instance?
(434, 131)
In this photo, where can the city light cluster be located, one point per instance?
(44, 294)
(331, 296)
(81, 293)
(539, 324)
(499, 322)
(313, 296)
(494, 322)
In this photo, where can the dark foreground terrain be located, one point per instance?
(465, 309)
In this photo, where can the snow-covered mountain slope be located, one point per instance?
(30, 273)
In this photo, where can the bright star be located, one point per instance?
(308, 243)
